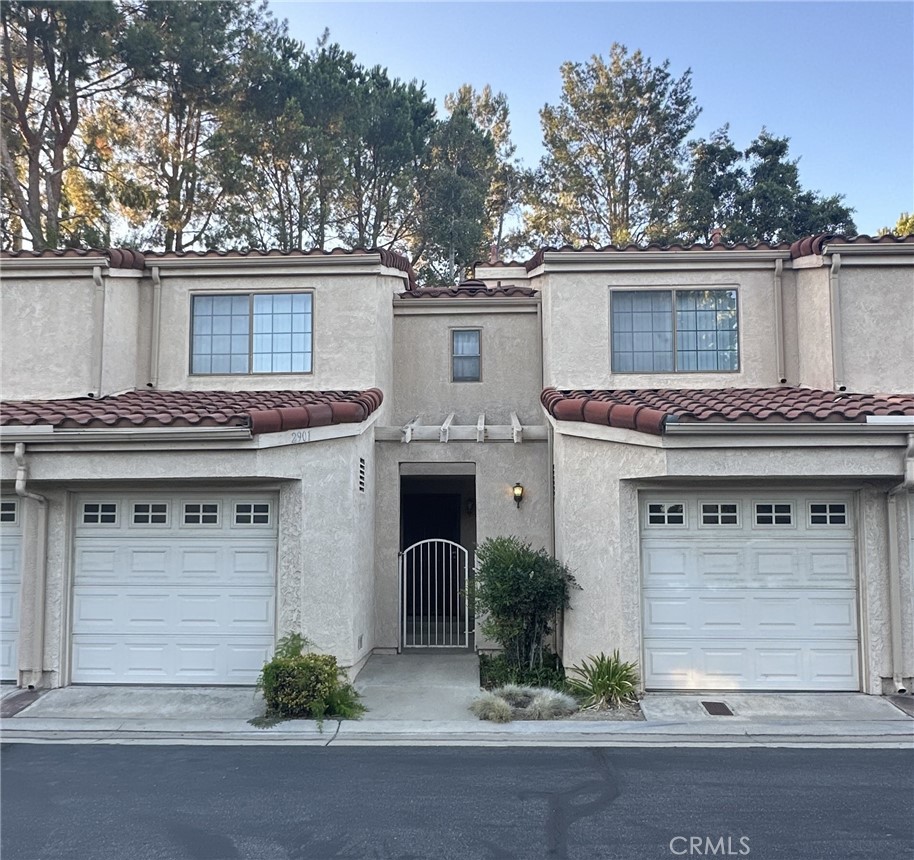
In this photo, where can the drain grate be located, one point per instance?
(717, 709)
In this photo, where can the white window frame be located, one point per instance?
(201, 525)
(720, 288)
(828, 524)
(267, 525)
(719, 502)
(250, 296)
(451, 332)
(15, 511)
(666, 513)
(150, 513)
(755, 524)
(99, 523)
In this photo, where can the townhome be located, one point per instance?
(202, 452)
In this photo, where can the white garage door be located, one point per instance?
(751, 592)
(176, 589)
(10, 583)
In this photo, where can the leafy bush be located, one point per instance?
(520, 592)
(515, 702)
(604, 682)
(300, 683)
(496, 671)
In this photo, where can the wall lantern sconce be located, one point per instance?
(518, 494)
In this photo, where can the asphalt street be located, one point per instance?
(114, 802)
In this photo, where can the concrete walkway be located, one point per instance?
(414, 702)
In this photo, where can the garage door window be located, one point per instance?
(99, 513)
(666, 514)
(252, 514)
(150, 514)
(719, 514)
(8, 512)
(774, 514)
(827, 514)
(201, 514)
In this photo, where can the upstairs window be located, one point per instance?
(674, 331)
(254, 333)
(466, 357)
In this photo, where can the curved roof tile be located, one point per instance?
(649, 410)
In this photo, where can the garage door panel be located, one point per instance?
(10, 587)
(171, 604)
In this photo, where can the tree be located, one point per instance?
(452, 199)
(187, 56)
(773, 207)
(904, 226)
(57, 58)
(489, 111)
(384, 135)
(715, 184)
(614, 146)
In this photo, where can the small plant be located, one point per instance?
(298, 682)
(492, 708)
(515, 702)
(496, 671)
(604, 682)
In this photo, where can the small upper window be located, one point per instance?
(466, 358)
(674, 331)
(774, 514)
(666, 514)
(97, 513)
(723, 514)
(827, 514)
(8, 512)
(201, 513)
(150, 513)
(252, 513)
(255, 333)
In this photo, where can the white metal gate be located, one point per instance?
(434, 607)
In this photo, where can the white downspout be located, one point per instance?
(99, 321)
(837, 337)
(156, 340)
(779, 319)
(41, 562)
(896, 615)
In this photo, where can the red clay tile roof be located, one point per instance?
(469, 290)
(262, 411)
(800, 248)
(121, 258)
(649, 410)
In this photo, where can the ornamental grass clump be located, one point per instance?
(604, 682)
(516, 702)
(298, 683)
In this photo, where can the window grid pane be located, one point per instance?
(466, 360)
(643, 323)
(252, 333)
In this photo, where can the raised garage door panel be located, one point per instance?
(10, 585)
(172, 601)
(748, 603)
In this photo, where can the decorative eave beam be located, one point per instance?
(445, 428)
(481, 427)
(517, 430)
(413, 432)
(408, 429)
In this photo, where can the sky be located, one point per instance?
(836, 78)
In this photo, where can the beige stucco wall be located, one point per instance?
(122, 360)
(877, 323)
(597, 531)
(325, 575)
(498, 466)
(813, 330)
(576, 312)
(48, 338)
(351, 329)
(511, 365)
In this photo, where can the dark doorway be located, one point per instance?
(437, 537)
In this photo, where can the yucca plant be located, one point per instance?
(604, 682)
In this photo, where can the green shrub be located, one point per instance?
(496, 671)
(519, 592)
(603, 682)
(301, 683)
